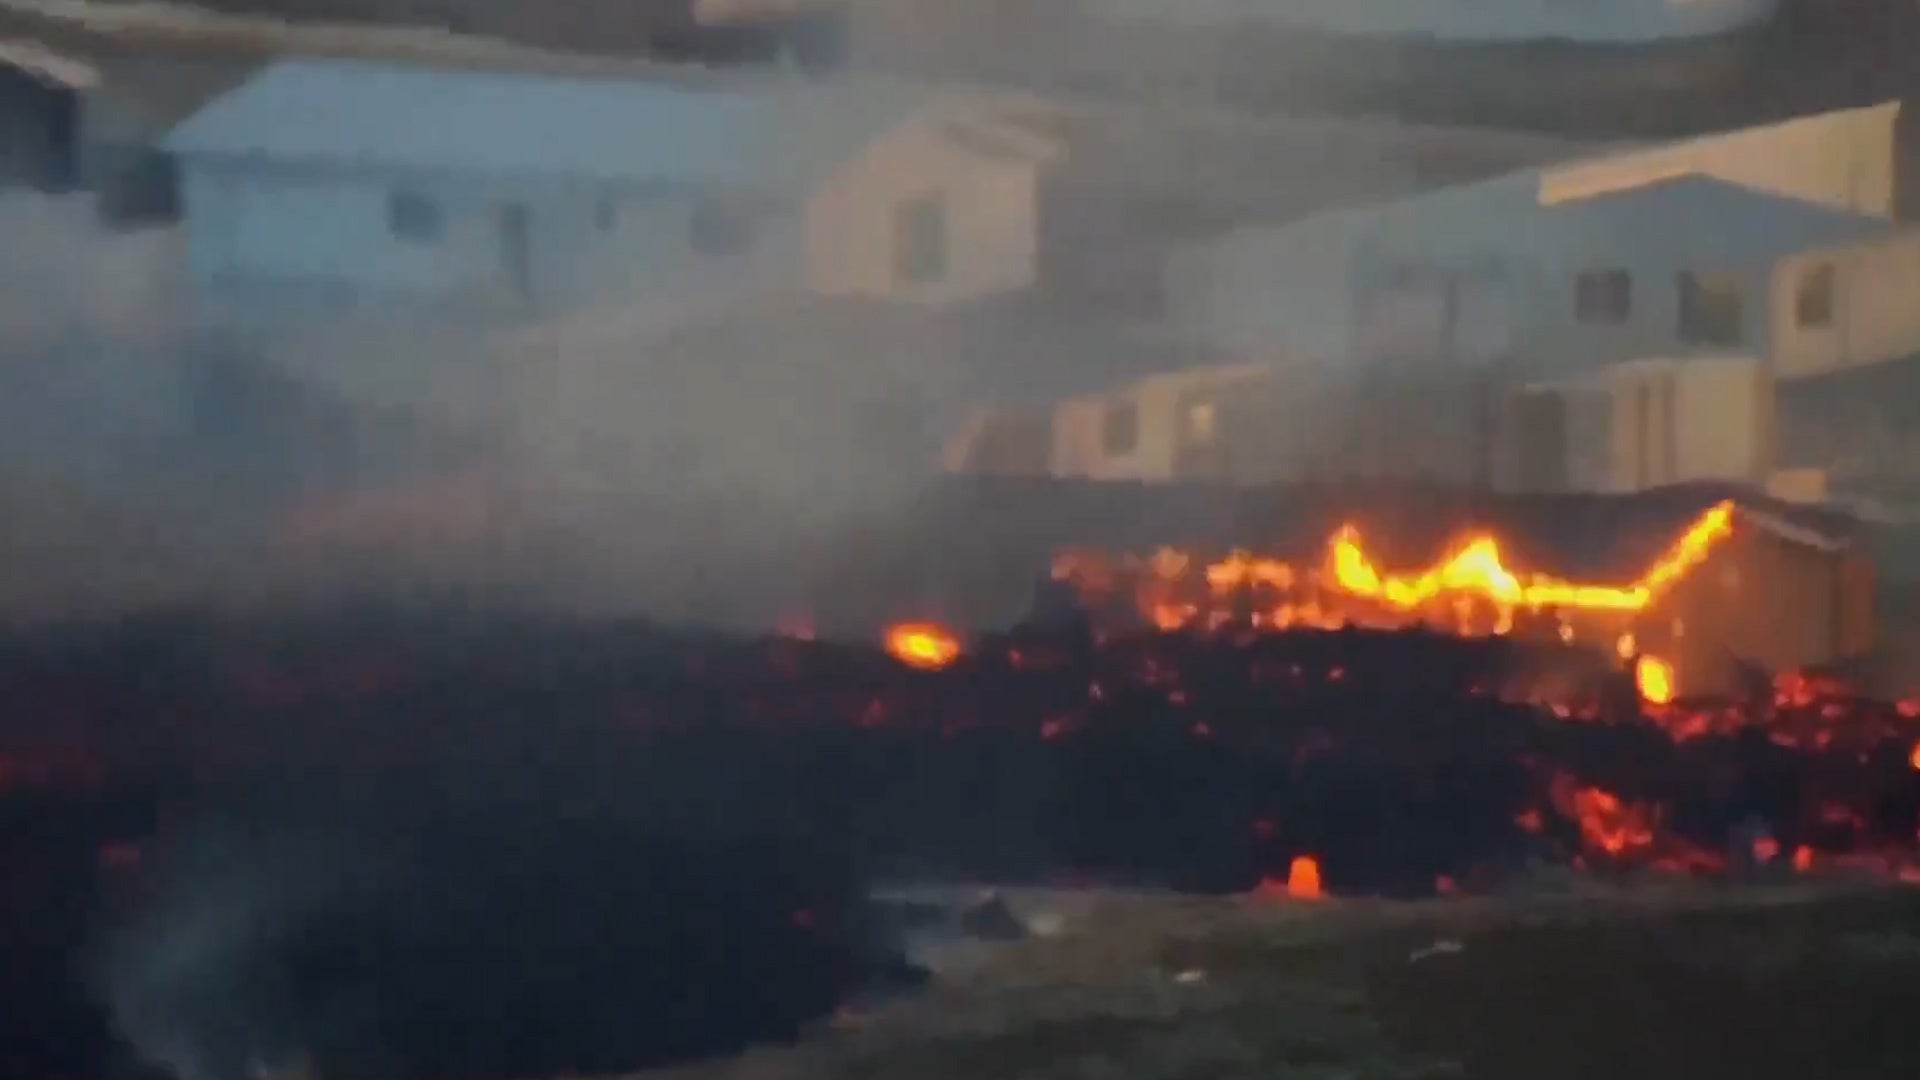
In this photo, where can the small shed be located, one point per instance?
(41, 95)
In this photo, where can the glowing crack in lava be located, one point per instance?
(922, 645)
(1654, 678)
(1474, 575)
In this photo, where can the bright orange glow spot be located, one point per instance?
(1303, 878)
(1803, 858)
(922, 645)
(1654, 678)
(1609, 824)
(1914, 757)
(1171, 590)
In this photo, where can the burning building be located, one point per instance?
(1709, 580)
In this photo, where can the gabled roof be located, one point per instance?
(1714, 217)
(767, 130)
(45, 66)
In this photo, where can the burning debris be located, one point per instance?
(1471, 591)
(922, 645)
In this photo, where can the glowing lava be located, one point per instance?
(922, 645)
(1303, 878)
(1654, 678)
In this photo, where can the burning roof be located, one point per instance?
(976, 548)
(1585, 535)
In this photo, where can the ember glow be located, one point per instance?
(1471, 589)
(927, 646)
(1303, 878)
(1653, 677)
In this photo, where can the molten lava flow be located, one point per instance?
(1654, 678)
(1303, 878)
(922, 645)
(1464, 584)
(1610, 825)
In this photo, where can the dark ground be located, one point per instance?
(481, 844)
(1657, 983)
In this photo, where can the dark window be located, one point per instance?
(1603, 296)
(606, 215)
(920, 241)
(1712, 309)
(1120, 429)
(414, 218)
(720, 228)
(1813, 300)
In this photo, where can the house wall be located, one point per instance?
(1843, 159)
(1532, 287)
(1876, 313)
(992, 219)
(1261, 292)
(277, 241)
(1291, 288)
(1716, 421)
(1165, 438)
(1770, 603)
(1277, 423)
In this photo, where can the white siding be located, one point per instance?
(991, 206)
(1258, 293)
(1706, 422)
(1653, 422)
(258, 235)
(1841, 159)
(1876, 312)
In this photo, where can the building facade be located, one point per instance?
(524, 194)
(1710, 243)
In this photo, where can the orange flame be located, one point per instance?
(1476, 569)
(1474, 573)
(1914, 757)
(922, 645)
(1654, 678)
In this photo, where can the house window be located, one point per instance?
(414, 218)
(920, 241)
(1813, 299)
(1203, 423)
(1603, 296)
(1712, 309)
(720, 227)
(1120, 429)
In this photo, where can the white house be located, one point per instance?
(1779, 237)
(1688, 264)
(376, 186)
